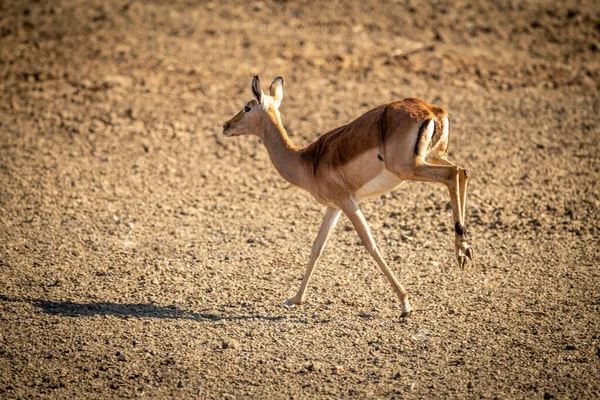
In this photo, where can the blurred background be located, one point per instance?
(143, 253)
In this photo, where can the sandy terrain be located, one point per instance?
(142, 253)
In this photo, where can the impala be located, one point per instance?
(399, 141)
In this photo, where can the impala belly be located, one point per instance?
(367, 175)
(382, 183)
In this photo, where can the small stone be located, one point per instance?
(339, 370)
(96, 126)
(87, 84)
(315, 367)
(440, 37)
(231, 344)
(397, 375)
(111, 81)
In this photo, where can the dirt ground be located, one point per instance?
(142, 253)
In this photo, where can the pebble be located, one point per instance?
(87, 84)
(111, 81)
(121, 357)
(231, 344)
(315, 367)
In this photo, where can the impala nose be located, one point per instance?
(226, 129)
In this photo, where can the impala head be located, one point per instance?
(251, 119)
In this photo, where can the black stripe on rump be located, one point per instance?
(419, 135)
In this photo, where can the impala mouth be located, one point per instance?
(227, 131)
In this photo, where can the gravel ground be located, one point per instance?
(142, 253)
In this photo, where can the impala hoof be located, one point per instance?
(462, 256)
(291, 302)
(469, 252)
(463, 251)
(406, 310)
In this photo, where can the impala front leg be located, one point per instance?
(362, 228)
(331, 217)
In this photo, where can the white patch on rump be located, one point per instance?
(382, 183)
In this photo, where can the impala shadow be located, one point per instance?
(139, 310)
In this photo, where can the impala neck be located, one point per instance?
(284, 155)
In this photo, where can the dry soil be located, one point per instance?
(142, 253)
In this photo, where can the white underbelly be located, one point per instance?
(382, 183)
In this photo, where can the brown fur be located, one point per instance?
(341, 145)
(418, 110)
(370, 156)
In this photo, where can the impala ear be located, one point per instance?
(256, 90)
(277, 91)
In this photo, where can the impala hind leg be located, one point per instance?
(450, 175)
(329, 221)
(362, 228)
(462, 183)
(460, 240)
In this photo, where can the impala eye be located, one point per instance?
(247, 109)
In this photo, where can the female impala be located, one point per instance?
(403, 140)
